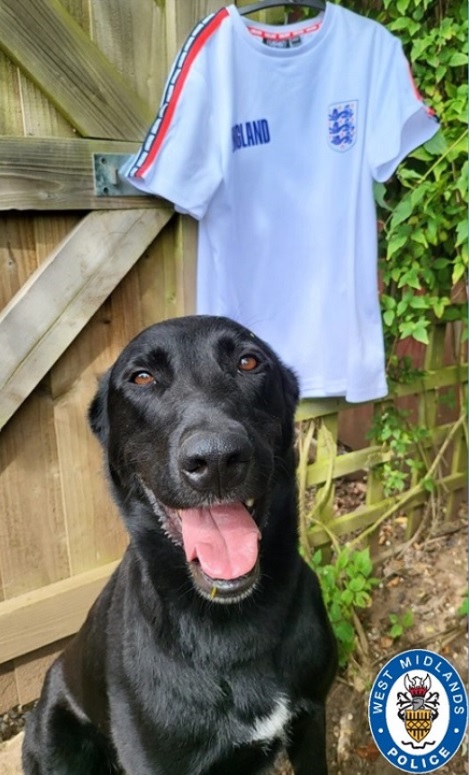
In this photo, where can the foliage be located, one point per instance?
(424, 237)
(423, 209)
(393, 432)
(399, 624)
(346, 585)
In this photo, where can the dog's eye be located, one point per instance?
(142, 378)
(248, 363)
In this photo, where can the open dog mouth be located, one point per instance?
(220, 543)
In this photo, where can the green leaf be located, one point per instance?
(395, 243)
(408, 619)
(441, 263)
(346, 597)
(417, 194)
(357, 584)
(389, 316)
(420, 333)
(402, 212)
(419, 302)
(458, 60)
(344, 631)
(402, 5)
(379, 192)
(437, 144)
(396, 631)
(343, 560)
(399, 24)
(461, 232)
(363, 562)
(362, 600)
(458, 272)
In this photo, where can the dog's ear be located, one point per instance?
(97, 412)
(291, 390)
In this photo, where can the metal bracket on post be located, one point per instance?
(107, 181)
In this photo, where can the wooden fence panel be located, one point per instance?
(90, 93)
(59, 299)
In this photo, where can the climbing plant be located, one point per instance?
(423, 209)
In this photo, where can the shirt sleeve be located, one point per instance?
(399, 120)
(179, 159)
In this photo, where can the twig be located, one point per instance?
(453, 631)
(304, 445)
(363, 640)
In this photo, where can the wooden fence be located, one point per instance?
(444, 448)
(80, 275)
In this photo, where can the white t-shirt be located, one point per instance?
(271, 137)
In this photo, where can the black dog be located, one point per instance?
(209, 649)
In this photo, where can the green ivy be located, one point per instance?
(404, 443)
(423, 240)
(423, 209)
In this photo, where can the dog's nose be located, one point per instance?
(215, 461)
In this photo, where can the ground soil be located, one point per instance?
(427, 576)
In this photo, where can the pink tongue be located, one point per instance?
(224, 539)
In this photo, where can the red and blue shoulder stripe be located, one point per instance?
(177, 77)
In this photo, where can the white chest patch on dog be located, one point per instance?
(269, 727)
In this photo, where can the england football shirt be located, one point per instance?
(272, 137)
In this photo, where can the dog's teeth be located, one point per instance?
(250, 503)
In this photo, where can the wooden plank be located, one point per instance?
(50, 613)
(96, 534)
(57, 174)
(31, 669)
(11, 119)
(58, 300)
(90, 93)
(33, 540)
(33, 549)
(40, 117)
(134, 40)
(8, 689)
(18, 259)
(364, 516)
(326, 452)
(363, 459)
(186, 263)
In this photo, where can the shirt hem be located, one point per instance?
(351, 396)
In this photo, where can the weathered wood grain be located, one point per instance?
(58, 55)
(33, 539)
(57, 174)
(59, 299)
(11, 118)
(50, 613)
(134, 40)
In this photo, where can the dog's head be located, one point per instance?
(196, 420)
